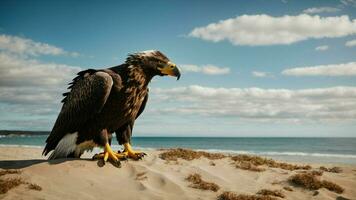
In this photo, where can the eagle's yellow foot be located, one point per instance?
(131, 153)
(109, 154)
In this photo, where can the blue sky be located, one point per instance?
(295, 77)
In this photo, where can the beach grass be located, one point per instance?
(188, 154)
(199, 183)
(311, 182)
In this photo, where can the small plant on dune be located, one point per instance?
(187, 154)
(9, 183)
(9, 171)
(332, 186)
(311, 182)
(317, 172)
(33, 186)
(199, 183)
(313, 172)
(332, 169)
(234, 196)
(266, 192)
(249, 166)
(257, 161)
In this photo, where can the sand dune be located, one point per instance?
(152, 178)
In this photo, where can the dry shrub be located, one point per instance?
(188, 154)
(9, 183)
(342, 198)
(288, 188)
(313, 172)
(249, 166)
(9, 171)
(33, 186)
(257, 161)
(332, 186)
(233, 196)
(266, 192)
(311, 182)
(317, 173)
(199, 183)
(332, 169)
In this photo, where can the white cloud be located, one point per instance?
(19, 71)
(28, 86)
(330, 104)
(344, 69)
(350, 43)
(32, 84)
(24, 46)
(260, 74)
(321, 10)
(205, 69)
(322, 48)
(263, 29)
(348, 3)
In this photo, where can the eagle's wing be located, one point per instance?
(143, 105)
(89, 92)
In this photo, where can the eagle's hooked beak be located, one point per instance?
(171, 69)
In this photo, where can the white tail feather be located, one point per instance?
(65, 146)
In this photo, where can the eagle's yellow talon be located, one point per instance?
(110, 154)
(106, 156)
(131, 153)
(117, 156)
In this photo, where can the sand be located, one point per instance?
(153, 178)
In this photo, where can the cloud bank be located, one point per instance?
(24, 46)
(316, 10)
(205, 69)
(30, 89)
(344, 69)
(350, 43)
(319, 104)
(322, 48)
(260, 74)
(256, 30)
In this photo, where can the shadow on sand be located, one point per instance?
(19, 164)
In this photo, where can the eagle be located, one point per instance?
(106, 101)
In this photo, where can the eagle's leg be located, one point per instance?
(109, 153)
(131, 153)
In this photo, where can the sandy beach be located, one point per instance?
(158, 178)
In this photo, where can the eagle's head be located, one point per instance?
(154, 62)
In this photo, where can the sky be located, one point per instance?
(278, 68)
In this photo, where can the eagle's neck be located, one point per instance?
(134, 74)
(139, 75)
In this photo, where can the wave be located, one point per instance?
(20, 135)
(20, 145)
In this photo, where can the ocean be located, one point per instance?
(316, 150)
